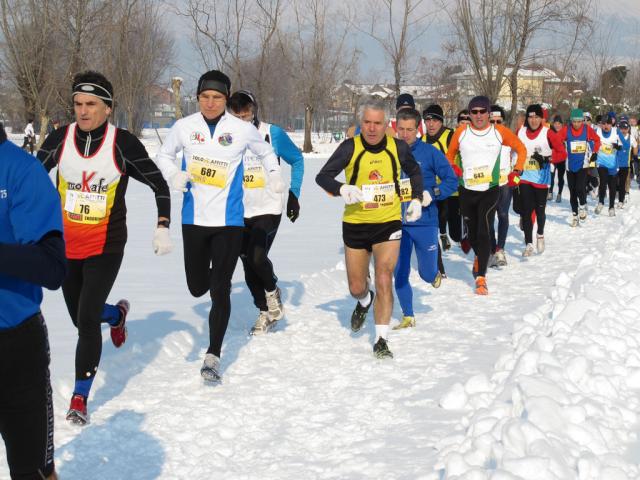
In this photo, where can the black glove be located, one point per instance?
(293, 207)
(617, 146)
(542, 161)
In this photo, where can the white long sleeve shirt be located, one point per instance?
(214, 161)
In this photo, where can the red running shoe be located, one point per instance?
(77, 413)
(119, 332)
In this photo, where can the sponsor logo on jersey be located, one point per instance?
(225, 139)
(86, 186)
(375, 176)
(197, 137)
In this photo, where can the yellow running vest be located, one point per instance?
(378, 176)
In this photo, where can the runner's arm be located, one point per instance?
(510, 139)
(444, 171)
(291, 154)
(263, 150)
(411, 168)
(49, 151)
(454, 145)
(337, 162)
(593, 137)
(166, 156)
(41, 263)
(138, 165)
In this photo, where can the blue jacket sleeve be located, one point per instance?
(287, 150)
(448, 180)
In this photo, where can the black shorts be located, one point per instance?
(26, 409)
(365, 235)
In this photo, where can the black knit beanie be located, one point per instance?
(214, 80)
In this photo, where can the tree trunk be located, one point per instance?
(308, 122)
(44, 123)
(514, 98)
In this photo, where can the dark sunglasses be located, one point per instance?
(478, 111)
(498, 121)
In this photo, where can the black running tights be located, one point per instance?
(577, 188)
(210, 257)
(610, 181)
(533, 199)
(478, 211)
(85, 291)
(259, 233)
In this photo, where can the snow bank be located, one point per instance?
(562, 404)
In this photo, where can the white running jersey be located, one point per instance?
(480, 151)
(215, 194)
(539, 144)
(259, 200)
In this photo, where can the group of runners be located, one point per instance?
(414, 185)
(224, 160)
(471, 177)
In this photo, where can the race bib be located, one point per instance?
(578, 147)
(208, 171)
(378, 195)
(477, 176)
(254, 177)
(85, 207)
(606, 148)
(531, 164)
(405, 190)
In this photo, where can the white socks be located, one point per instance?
(381, 331)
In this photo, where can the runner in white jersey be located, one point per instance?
(263, 211)
(480, 147)
(213, 143)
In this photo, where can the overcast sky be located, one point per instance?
(624, 14)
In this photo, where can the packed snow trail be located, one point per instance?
(310, 400)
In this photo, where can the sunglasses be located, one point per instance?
(478, 111)
(498, 121)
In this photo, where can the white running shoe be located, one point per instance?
(574, 220)
(501, 258)
(528, 251)
(599, 208)
(620, 205)
(263, 324)
(210, 370)
(540, 243)
(274, 304)
(582, 212)
(612, 212)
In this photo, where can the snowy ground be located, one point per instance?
(539, 380)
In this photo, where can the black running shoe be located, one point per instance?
(444, 240)
(381, 349)
(359, 314)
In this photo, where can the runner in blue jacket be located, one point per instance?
(423, 234)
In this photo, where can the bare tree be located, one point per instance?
(29, 35)
(266, 23)
(137, 27)
(219, 33)
(601, 54)
(317, 54)
(406, 20)
(484, 34)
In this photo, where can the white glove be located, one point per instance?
(179, 180)
(351, 194)
(162, 243)
(426, 198)
(276, 184)
(414, 211)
